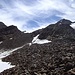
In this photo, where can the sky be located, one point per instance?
(31, 15)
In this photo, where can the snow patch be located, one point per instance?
(29, 44)
(36, 40)
(7, 53)
(6, 65)
(11, 38)
(73, 25)
(1, 42)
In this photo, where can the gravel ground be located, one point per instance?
(55, 58)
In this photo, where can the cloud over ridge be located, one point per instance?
(32, 14)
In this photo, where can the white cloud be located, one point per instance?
(20, 12)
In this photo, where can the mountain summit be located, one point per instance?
(2, 25)
(61, 29)
(64, 21)
(47, 51)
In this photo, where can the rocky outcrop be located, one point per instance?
(59, 30)
(12, 37)
(2, 25)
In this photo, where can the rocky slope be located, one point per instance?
(54, 58)
(11, 37)
(61, 29)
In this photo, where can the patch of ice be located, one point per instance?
(1, 42)
(29, 44)
(11, 38)
(7, 53)
(73, 25)
(4, 66)
(35, 38)
(38, 41)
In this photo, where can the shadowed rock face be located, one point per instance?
(35, 33)
(64, 22)
(12, 37)
(54, 58)
(60, 29)
(2, 25)
(9, 30)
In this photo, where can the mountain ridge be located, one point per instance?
(52, 58)
(59, 30)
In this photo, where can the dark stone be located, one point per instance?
(2, 25)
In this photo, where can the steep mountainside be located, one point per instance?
(54, 57)
(59, 30)
(2, 25)
(11, 37)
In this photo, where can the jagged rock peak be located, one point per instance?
(12, 27)
(2, 25)
(64, 21)
(60, 29)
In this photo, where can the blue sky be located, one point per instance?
(30, 15)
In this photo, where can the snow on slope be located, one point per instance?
(73, 25)
(7, 53)
(1, 42)
(36, 40)
(6, 65)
